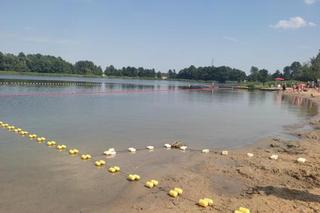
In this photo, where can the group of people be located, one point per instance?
(304, 87)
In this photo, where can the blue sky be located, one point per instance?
(164, 34)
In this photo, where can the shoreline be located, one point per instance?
(258, 183)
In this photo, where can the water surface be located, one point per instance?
(119, 113)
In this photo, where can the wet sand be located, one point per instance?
(258, 183)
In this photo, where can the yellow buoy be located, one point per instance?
(99, 163)
(86, 157)
(210, 201)
(178, 190)
(133, 177)
(112, 170)
(242, 210)
(149, 184)
(39, 140)
(23, 133)
(155, 182)
(117, 168)
(11, 128)
(73, 151)
(203, 203)
(137, 177)
(51, 143)
(173, 193)
(61, 147)
(33, 136)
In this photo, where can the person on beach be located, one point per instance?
(284, 87)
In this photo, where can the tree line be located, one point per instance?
(132, 72)
(309, 71)
(46, 64)
(211, 73)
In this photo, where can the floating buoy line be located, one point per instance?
(150, 184)
(49, 83)
(175, 192)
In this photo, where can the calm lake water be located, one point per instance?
(120, 114)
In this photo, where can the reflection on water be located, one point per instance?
(124, 117)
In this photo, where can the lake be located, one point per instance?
(123, 113)
(95, 114)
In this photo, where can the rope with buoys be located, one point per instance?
(174, 193)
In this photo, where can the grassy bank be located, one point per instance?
(269, 84)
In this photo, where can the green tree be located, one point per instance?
(263, 75)
(159, 75)
(254, 73)
(87, 67)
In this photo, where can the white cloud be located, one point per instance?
(232, 39)
(293, 23)
(309, 2)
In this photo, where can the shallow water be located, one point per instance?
(119, 113)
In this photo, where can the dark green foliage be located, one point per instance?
(87, 68)
(132, 72)
(220, 74)
(159, 75)
(45, 64)
(254, 72)
(306, 72)
(295, 71)
(263, 75)
(51, 64)
(277, 74)
(172, 74)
